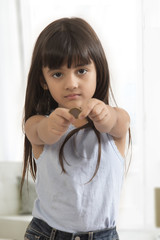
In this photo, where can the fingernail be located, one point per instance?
(73, 120)
(81, 116)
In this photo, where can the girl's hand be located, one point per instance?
(96, 110)
(59, 121)
(42, 130)
(107, 119)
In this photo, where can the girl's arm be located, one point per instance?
(116, 122)
(107, 119)
(42, 130)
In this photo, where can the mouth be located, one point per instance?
(72, 96)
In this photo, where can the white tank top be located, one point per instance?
(66, 201)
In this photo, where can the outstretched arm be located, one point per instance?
(42, 130)
(107, 119)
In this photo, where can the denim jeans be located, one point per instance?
(38, 229)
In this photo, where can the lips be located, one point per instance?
(72, 96)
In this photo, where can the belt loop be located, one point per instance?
(72, 236)
(90, 236)
(53, 234)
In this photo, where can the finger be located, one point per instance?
(58, 132)
(97, 110)
(61, 125)
(99, 117)
(87, 110)
(64, 114)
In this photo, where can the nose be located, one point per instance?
(71, 82)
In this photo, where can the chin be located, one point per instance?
(73, 105)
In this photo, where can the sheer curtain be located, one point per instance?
(11, 82)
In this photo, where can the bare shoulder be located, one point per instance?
(31, 129)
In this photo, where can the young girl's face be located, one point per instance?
(71, 87)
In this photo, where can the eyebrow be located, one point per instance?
(75, 66)
(82, 65)
(51, 69)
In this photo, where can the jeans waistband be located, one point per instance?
(40, 227)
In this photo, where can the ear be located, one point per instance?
(43, 84)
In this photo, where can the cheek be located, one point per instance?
(55, 96)
(92, 88)
(54, 92)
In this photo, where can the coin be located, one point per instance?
(75, 112)
(78, 122)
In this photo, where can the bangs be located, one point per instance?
(63, 48)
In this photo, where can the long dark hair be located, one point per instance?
(66, 40)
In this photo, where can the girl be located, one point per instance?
(78, 164)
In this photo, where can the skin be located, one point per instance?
(75, 87)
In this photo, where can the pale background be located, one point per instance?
(130, 33)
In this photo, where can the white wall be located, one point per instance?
(151, 79)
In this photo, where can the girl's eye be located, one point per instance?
(57, 75)
(82, 71)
